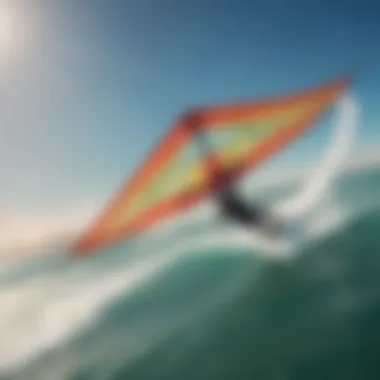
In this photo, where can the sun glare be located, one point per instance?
(11, 33)
(6, 29)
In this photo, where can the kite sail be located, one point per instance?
(180, 171)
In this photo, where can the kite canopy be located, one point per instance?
(180, 171)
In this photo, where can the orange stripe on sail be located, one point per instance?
(213, 117)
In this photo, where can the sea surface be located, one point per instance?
(190, 303)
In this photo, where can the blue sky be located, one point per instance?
(90, 85)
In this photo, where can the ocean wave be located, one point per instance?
(59, 300)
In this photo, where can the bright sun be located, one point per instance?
(6, 29)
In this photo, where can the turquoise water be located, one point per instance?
(210, 313)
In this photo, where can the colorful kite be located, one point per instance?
(181, 171)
